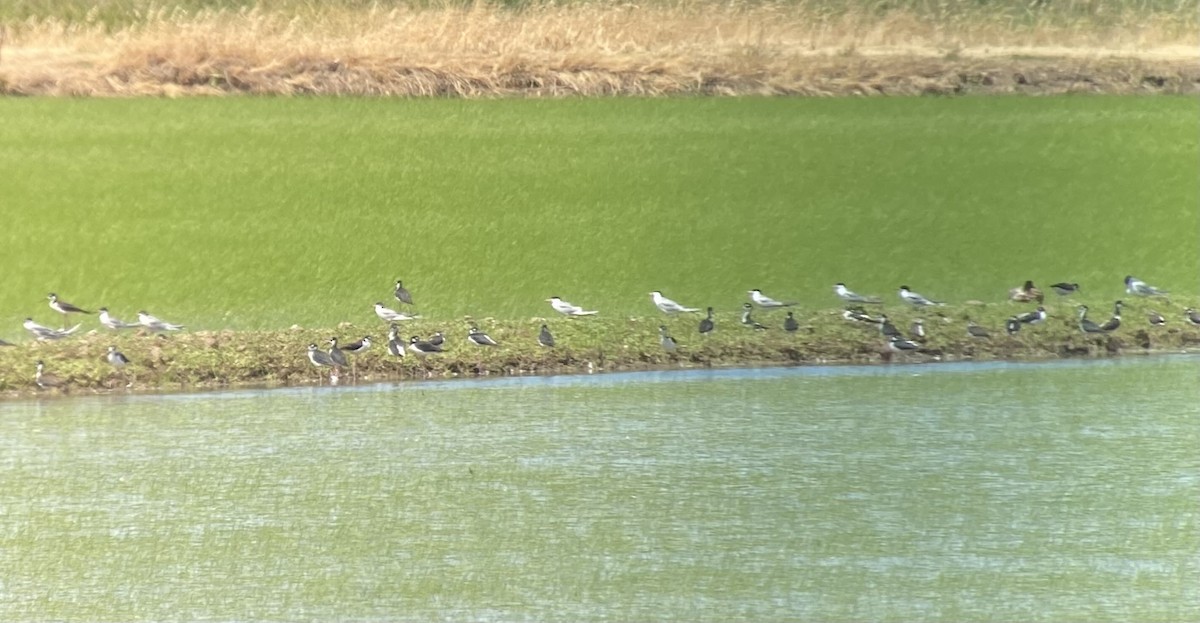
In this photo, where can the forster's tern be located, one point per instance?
(667, 306)
(568, 309)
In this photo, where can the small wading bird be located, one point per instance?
(45, 380)
(1115, 322)
(110, 322)
(1085, 325)
(568, 309)
(154, 324)
(479, 337)
(395, 345)
(1026, 294)
(850, 297)
(321, 360)
(46, 333)
(975, 330)
(668, 342)
(1036, 316)
(857, 314)
(118, 360)
(355, 348)
(64, 307)
(1136, 286)
(337, 358)
(1012, 325)
(901, 345)
(1192, 316)
(765, 301)
(916, 300)
(707, 325)
(545, 338)
(887, 328)
(749, 322)
(422, 348)
(1065, 289)
(1155, 318)
(437, 339)
(667, 306)
(390, 315)
(790, 325)
(402, 294)
(917, 330)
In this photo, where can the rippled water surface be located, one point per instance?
(997, 492)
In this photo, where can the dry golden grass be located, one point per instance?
(595, 49)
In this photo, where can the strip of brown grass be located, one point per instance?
(595, 49)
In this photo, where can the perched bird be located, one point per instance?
(1064, 289)
(317, 357)
(402, 293)
(1156, 318)
(46, 333)
(1034, 317)
(850, 297)
(900, 345)
(545, 338)
(109, 321)
(568, 309)
(1026, 293)
(707, 325)
(766, 302)
(118, 360)
(480, 338)
(857, 314)
(395, 345)
(790, 325)
(668, 342)
(667, 306)
(154, 324)
(437, 339)
(1115, 322)
(975, 330)
(360, 346)
(887, 328)
(1192, 316)
(64, 307)
(390, 315)
(45, 380)
(422, 348)
(912, 298)
(1085, 325)
(336, 357)
(747, 321)
(917, 330)
(1012, 325)
(1141, 288)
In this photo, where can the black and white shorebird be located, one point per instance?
(155, 324)
(1036, 316)
(766, 302)
(422, 348)
(887, 328)
(749, 322)
(118, 360)
(1156, 319)
(479, 337)
(45, 333)
(1133, 285)
(46, 380)
(1085, 325)
(395, 345)
(388, 314)
(437, 339)
(568, 309)
(545, 338)
(849, 296)
(1114, 323)
(320, 360)
(360, 346)
(1027, 293)
(1012, 325)
(1063, 288)
(64, 307)
(707, 324)
(668, 343)
(977, 331)
(107, 320)
(858, 314)
(900, 345)
(789, 324)
(402, 294)
(336, 357)
(667, 306)
(1192, 315)
(916, 300)
(916, 330)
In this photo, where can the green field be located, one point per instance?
(261, 213)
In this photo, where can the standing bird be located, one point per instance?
(320, 360)
(1064, 289)
(545, 338)
(1085, 325)
(790, 325)
(975, 330)
(118, 360)
(154, 324)
(1192, 316)
(707, 325)
(112, 323)
(568, 309)
(64, 308)
(422, 348)
(765, 301)
(916, 300)
(747, 321)
(667, 306)
(1155, 318)
(900, 345)
(1026, 294)
(1036, 316)
(668, 342)
(479, 337)
(1136, 286)
(402, 294)
(395, 345)
(360, 346)
(887, 328)
(336, 357)
(388, 314)
(917, 330)
(1012, 325)
(850, 297)
(45, 380)
(1115, 322)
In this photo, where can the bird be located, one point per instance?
(337, 358)
(1026, 293)
(857, 314)
(975, 330)
(1034, 317)
(118, 360)
(360, 346)
(109, 321)
(668, 343)
(1085, 325)
(402, 294)
(320, 360)
(545, 338)
(1156, 318)
(850, 297)
(707, 325)
(45, 380)
(900, 345)
(912, 298)
(1012, 325)
(790, 325)
(667, 306)
(1064, 289)
(1192, 316)
(1115, 322)
(1136, 286)
(887, 328)
(917, 329)
(747, 321)
(387, 314)
(64, 307)
(568, 309)
(46, 333)
(154, 324)
(479, 337)
(421, 347)
(437, 339)
(765, 301)
(395, 345)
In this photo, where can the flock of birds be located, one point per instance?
(335, 357)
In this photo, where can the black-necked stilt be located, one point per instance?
(668, 343)
(64, 307)
(790, 325)
(154, 324)
(975, 330)
(912, 298)
(765, 301)
(887, 328)
(847, 295)
(1155, 318)
(337, 358)
(45, 380)
(568, 309)
(395, 345)
(360, 346)
(900, 345)
(388, 314)
(422, 347)
(545, 338)
(402, 294)
(1192, 316)
(1034, 317)
(320, 360)
(747, 321)
(917, 329)
(1012, 325)
(437, 339)
(1085, 325)
(1064, 289)
(1115, 322)
(1136, 286)
(667, 306)
(1026, 294)
(110, 322)
(118, 360)
(479, 337)
(707, 324)
(46, 333)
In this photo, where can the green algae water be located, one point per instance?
(978, 492)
